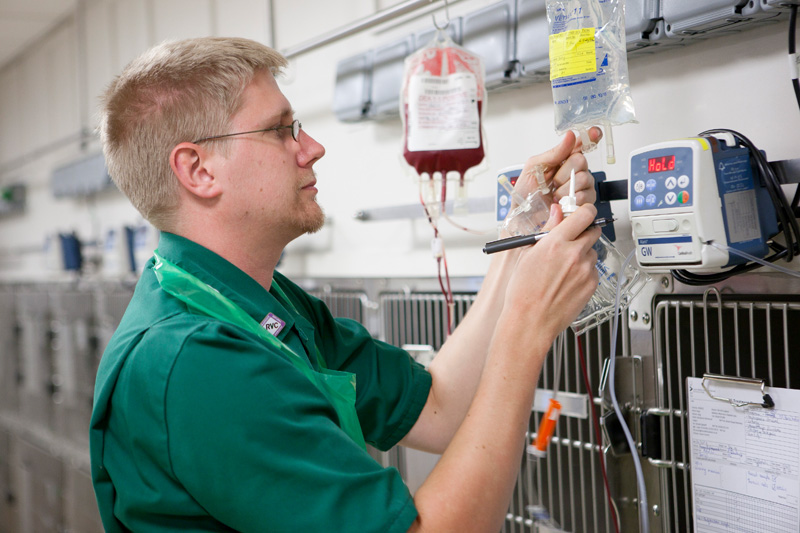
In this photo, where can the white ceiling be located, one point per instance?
(22, 22)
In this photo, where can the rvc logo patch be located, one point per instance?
(273, 324)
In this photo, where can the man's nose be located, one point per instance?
(310, 149)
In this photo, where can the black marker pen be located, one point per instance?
(523, 240)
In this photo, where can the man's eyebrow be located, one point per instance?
(278, 117)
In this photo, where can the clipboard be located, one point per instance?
(766, 399)
(745, 455)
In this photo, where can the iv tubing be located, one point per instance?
(612, 506)
(560, 345)
(611, 158)
(462, 227)
(753, 258)
(446, 291)
(644, 517)
(547, 425)
(453, 222)
(538, 172)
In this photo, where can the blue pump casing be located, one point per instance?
(735, 177)
(688, 192)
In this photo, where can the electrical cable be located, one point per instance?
(787, 219)
(796, 201)
(792, 51)
(598, 436)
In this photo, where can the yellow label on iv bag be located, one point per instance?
(572, 52)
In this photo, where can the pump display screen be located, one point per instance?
(661, 164)
(662, 178)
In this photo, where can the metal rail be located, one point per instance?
(358, 26)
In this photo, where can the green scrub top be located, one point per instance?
(200, 425)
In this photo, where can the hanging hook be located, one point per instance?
(447, 17)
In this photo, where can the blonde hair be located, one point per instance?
(176, 92)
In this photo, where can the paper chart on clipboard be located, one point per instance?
(745, 460)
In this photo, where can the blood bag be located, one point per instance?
(589, 67)
(442, 104)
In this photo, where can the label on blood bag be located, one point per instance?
(443, 112)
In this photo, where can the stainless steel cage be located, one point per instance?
(746, 328)
(753, 336)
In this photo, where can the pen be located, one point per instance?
(523, 240)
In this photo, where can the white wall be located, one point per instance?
(738, 81)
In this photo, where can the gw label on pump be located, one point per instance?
(678, 248)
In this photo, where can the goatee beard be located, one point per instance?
(316, 223)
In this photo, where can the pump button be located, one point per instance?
(665, 225)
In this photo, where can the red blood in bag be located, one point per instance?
(457, 160)
(450, 160)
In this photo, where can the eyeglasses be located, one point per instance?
(295, 126)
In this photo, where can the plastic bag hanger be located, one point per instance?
(447, 18)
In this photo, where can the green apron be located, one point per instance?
(338, 387)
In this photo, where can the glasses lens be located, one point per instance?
(296, 129)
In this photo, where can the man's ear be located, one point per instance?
(189, 163)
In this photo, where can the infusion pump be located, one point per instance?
(688, 192)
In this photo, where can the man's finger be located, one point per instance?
(595, 134)
(576, 223)
(556, 216)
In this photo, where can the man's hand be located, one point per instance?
(553, 280)
(557, 164)
(548, 285)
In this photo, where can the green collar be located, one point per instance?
(218, 272)
(229, 280)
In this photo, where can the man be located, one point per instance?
(226, 398)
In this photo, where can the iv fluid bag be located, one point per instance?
(528, 215)
(588, 64)
(528, 218)
(442, 104)
(611, 278)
